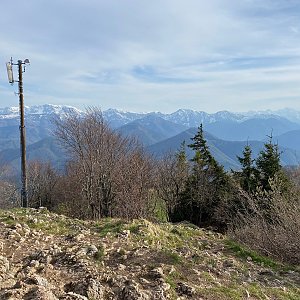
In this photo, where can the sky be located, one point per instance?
(154, 55)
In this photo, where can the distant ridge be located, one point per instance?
(224, 151)
(186, 117)
(227, 132)
(45, 109)
(151, 129)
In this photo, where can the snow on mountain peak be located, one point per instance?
(46, 109)
(51, 109)
(187, 117)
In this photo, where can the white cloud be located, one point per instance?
(210, 55)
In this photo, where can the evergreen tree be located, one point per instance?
(204, 159)
(205, 186)
(200, 147)
(268, 164)
(248, 174)
(272, 181)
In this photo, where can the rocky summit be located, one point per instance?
(48, 257)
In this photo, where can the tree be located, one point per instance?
(205, 187)
(200, 147)
(42, 181)
(112, 173)
(204, 161)
(260, 181)
(268, 164)
(134, 183)
(9, 194)
(172, 176)
(89, 142)
(248, 174)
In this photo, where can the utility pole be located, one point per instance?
(22, 138)
(21, 69)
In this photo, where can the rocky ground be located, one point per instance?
(48, 256)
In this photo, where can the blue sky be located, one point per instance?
(158, 55)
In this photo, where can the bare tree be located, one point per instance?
(9, 196)
(134, 184)
(67, 195)
(42, 180)
(173, 173)
(104, 164)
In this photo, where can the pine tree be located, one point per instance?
(203, 158)
(200, 147)
(205, 186)
(268, 163)
(248, 174)
(272, 181)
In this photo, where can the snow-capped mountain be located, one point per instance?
(192, 118)
(186, 117)
(288, 113)
(151, 127)
(223, 124)
(117, 118)
(41, 110)
(38, 121)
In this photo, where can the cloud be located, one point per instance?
(154, 55)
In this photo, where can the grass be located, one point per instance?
(41, 220)
(172, 280)
(134, 228)
(99, 255)
(245, 253)
(165, 235)
(172, 257)
(159, 209)
(109, 226)
(223, 293)
(259, 292)
(207, 276)
(8, 220)
(254, 291)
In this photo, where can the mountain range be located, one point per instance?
(226, 132)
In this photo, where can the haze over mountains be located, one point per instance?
(226, 132)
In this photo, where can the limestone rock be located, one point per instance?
(39, 293)
(131, 291)
(184, 289)
(92, 250)
(73, 296)
(157, 273)
(4, 267)
(88, 287)
(95, 290)
(37, 280)
(124, 234)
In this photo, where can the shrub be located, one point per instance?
(271, 224)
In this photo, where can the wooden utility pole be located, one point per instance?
(21, 68)
(24, 198)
